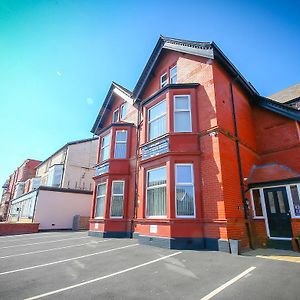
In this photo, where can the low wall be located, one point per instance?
(18, 228)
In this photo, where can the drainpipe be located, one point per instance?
(238, 154)
(136, 169)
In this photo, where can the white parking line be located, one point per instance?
(102, 277)
(52, 249)
(66, 260)
(40, 236)
(226, 284)
(47, 242)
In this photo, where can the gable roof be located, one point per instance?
(288, 95)
(203, 49)
(107, 102)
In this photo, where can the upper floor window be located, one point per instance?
(117, 199)
(123, 112)
(156, 192)
(120, 144)
(173, 75)
(157, 120)
(105, 148)
(100, 200)
(163, 80)
(116, 116)
(55, 175)
(185, 202)
(182, 114)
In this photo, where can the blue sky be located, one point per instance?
(58, 58)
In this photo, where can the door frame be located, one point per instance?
(264, 210)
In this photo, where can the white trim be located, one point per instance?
(121, 107)
(280, 238)
(156, 118)
(157, 186)
(185, 184)
(120, 142)
(109, 146)
(116, 110)
(173, 76)
(253, 205)
(112, 195)
(165, 82)
(96, 198)
(189, 110)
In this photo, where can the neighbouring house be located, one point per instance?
(61, 189)
(194, 157)
(16, 185)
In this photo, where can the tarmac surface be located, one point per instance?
(72, 265)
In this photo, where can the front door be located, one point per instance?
(278, 212)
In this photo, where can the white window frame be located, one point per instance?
(171, 77)
(163, 83)
(102, 183)
(183, 110)
(115, 111)
(111, 200)
(157, 186)
(120, 142)
(109, 146)
(156, 118)
(121, 109)
(185, 184)
(253, 206)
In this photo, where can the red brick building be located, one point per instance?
(194, 156)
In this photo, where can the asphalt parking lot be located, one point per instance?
(71, 265)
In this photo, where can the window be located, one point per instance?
(256, 203)
(296, 200)
(156, 192)
(121, 144)
(116, 116)
(185, 200)
(105, 148)
(173, 75)
(55, 175)
(100, 200)
(182, 114)
(117, 199)
(123, 111)
(163, 80)
(157, 120)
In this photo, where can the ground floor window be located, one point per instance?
(156, 186)
(256, 203)
(117, 199)
(185, 199)
(100, 200)
(296, 201)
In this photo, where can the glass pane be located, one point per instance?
(173, 75)
(182, 102)
(118, 188)
(281, 202)
(157, 177)
(184, 174)
(182, 121)
(117, 206)
(157, 110)
(156, 202)
(101, 189)
(296, 200)
(257, 203)
(115, 116)
(100, 207)
(106, 140)
(157, 127)
(163, 80)
(185, 200)
(120, 150)
(123, 110)
(121, 136)
(271, 203)
(105, 153)
(58, 172)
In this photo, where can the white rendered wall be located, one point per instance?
(59, 208)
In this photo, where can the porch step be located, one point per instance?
(279, 244)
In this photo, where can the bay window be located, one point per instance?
(123, 112)
(157, 120)
(100, 200)
(156, 188)
(182, 114)
(116, 116)
(185, 199)
(105, 148)
(173, 75)
(120, 144)
(117, 199)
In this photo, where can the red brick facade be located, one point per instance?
(231, 134)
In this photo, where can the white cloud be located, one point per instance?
(89, 100)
